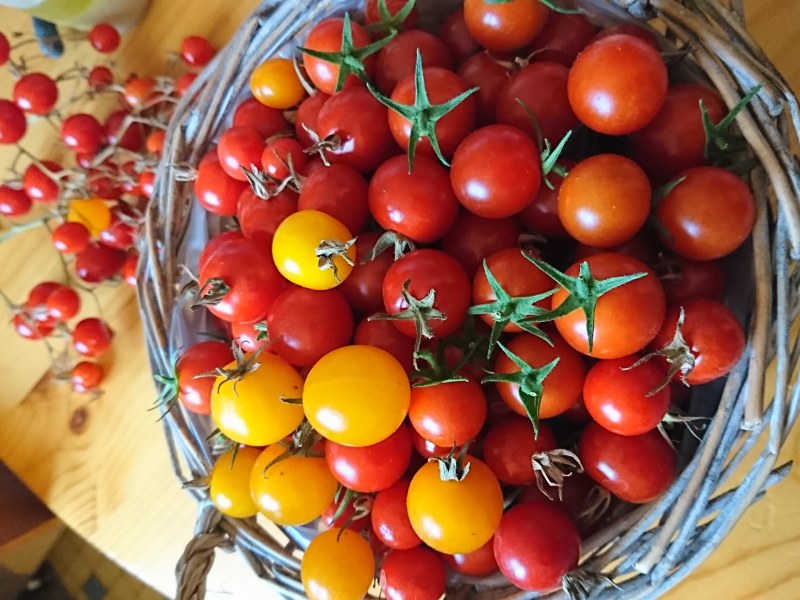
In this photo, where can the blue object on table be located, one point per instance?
(49, 40)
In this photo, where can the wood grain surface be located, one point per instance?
(102, 465)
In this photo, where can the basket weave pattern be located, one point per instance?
(647, 550)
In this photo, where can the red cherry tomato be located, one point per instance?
(398, 58)
(506, 26)
(617, 84)
(239, 148)
(448, 414)
(509, 445)
(563, 37)
(483, 71)
(390, 517)
(414, 574)
(478, 563)
(14, 202)
(12, 122)
(196, 51)
(621, 398)
(195, 392)
(91, 337)
(636, 469)
(265, 120)
(86, 376)
(384, 335)
(473, 238)
(259, 217)
(340, 191)
(536, 545)
(363, 288)
(326, 36)
(36, 93)
(215, 190)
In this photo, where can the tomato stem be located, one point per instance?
(389, 23)
(400, 245)
(422, 114)
(328, 250)
(349, 59)
(553, 467)
(584, 292)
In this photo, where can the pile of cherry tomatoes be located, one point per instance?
(468, 272)
(93, 202)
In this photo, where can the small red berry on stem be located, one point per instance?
(36, 93)
(12, 122)
(104, 38)
(196, 51)
(82, 133)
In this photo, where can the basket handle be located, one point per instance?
(197, 559)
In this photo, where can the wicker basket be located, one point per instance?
(645, 551)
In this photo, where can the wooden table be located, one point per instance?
(102, 466)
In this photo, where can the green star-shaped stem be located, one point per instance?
(390, 23)
(349, 59)
(721, 143)
(437, 371)
(422, 114)
(509, 309)
(530, 381)
(584, 292)
(244, 366)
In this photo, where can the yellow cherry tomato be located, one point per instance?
(275, 83)
(251, 412)
(91, 212)
(357, 395)
(230, 483)
(296, 244)
(337, 569)
(294, 490)
(455, 517)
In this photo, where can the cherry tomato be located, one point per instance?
(294, 490)
(82, 133)
(195, 392)
(481, 167)
(259, 218)
(384, 335)
(398, 58)
(486, 73)
(248, 337)
(507, 26)
(98, 263)
(326, 36)
(675, 139)
(419, 204)
(14, 202)
(91, 337)
(370, 468)
(390, 517)
(509, 445)
(36, 93)
(12, 122)
(428, 270)
(42, 185)
(636, 468)
(266, 121)
(360, 124)
(442, 86)
(229, 488)
(626, 318)
(125, 135)
(617, 84)
(307, 116)
(562, 38)
(340, 392)
(620, 398)
(448, 414)
(337, 564)
(686, 279)
(604, 200)
(100, 77)
(478, 563)
(239, 148)
(139, 91)
(473, 238)
(250, 277)
(275, 83)
(295, 246)
(536, 545)
(707, 215)
(279, 153)
(372, 13)
(561, 388)
(215, 190)
(542, 88)
(417, 573)
(341, 192)
(104, 38)
(516, 275)
(63, 304)
(363, 288)
(254, 413)
(86, 376)
(196, 51)
(214, 244)
(453, 32)
(71, 238)
(455, 516)
(713, 334)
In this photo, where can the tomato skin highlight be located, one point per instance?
(455, 516)
(536, 545)
(636, 469)
(356, 395)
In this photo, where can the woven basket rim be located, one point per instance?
(651, 558)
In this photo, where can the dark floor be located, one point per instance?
(75, 570)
